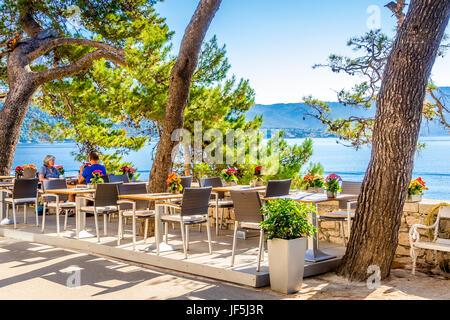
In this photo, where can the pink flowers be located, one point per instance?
(333, 176)
(60, 168)
(97, 172)
(129, 171)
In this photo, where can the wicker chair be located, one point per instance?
(218, 198)
(56, 201)
(133, 208)
(247, 211)
(193, 210)
(119, 178)
(25, 192)
(346, 208)
(278, 188)
(105, 202)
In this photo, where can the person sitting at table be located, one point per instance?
(48, 170)
(85, 174)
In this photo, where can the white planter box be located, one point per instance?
(286, 264)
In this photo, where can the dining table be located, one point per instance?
(161, 246)
(80, 222)
(314, 254)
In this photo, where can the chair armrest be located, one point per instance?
(168, 204)
(7, 191)
(85, 197)
(126, 202)
(54, 195)
(352, 202)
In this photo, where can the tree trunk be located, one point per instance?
(180, 83)
(12, 116)
(374, 237)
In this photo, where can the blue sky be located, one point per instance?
(274, 44)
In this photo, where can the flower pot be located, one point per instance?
(286, 264)
(331, 195)
(413, 199)
(314, 190)
(259, 183)
(229, 183)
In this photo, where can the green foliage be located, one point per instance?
(201, 170)
(287, 219)
(372, 51)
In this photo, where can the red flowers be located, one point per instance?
(258, 171)
(416, 187)
(174, 183)
(333, 176)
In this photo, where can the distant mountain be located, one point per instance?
(294, 116)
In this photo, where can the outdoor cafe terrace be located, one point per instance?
(130, 230)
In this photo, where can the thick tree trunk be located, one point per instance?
(375, 229)
(180, 83)
(12, 116)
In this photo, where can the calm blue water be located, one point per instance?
(432, 164)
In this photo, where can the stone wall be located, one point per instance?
(414, 213)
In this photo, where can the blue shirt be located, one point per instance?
(87, 172)
(48, 173)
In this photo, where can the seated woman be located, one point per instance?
(85, 175)
(48, 170)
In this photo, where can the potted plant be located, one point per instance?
(96, 179)
(415, 190)
(18, 172)
(258, 176)
(332, 185)
(202, 170)
(29, 171)
(129, 171)
(174, 183)
(229, 177)
(314, 184)
(61, 170)
(287, 227)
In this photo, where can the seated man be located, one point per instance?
(85, 175)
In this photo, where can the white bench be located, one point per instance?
(438, 244)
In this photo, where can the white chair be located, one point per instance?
(438, 244)
(247, 211)
(346, 211)
(133, 208)
(59, 201)
(193, 210)
(25, 192)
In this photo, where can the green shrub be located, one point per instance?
(287, 219)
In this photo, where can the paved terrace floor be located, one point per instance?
(43, 270)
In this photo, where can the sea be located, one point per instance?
(432, 164)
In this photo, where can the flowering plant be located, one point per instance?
(313, 182)
(129, 171)
(60, 169)
(258, 173)
(18, 172)
(97, 177)
(416, 187)
(229, 175)
(174, 183)
(29, 166)
(332, 183)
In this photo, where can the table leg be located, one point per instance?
(313, 254)
(77, 217)
(161, 246)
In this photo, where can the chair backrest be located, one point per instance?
(212, 182)
(106, 179)
(119, 178)
(25, 188)
(247, 206)
(29, 173)
(278, 188)
(349, 187)
(186, 182)
(133, 188)
(444, 212)
(106, 194)
(55, 184)
(195, 201)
